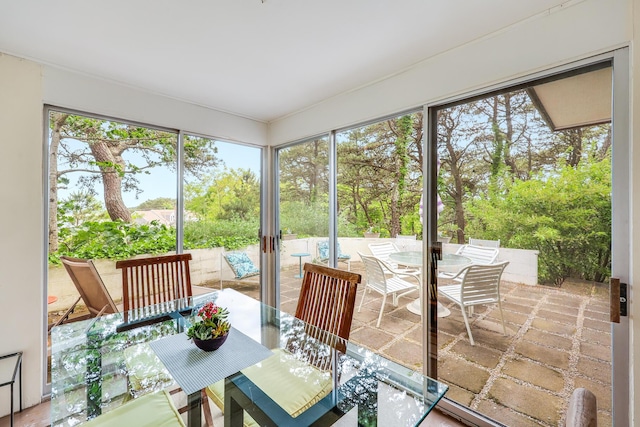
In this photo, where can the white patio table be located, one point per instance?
(451, 263)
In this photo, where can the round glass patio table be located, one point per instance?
(450, 263)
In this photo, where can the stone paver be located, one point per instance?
(596, 337)
(371, 337)
(597, 325)
(527, 400)
(596, 351)
(544, 325)
(507, 416)
(595, 369)
(549, 356)
(569, 317)
(463, 374)
(409, 352)
(535, 374)
(486, 357)
(548, 339)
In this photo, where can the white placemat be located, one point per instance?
(194, 369)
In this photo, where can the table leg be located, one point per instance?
(194, 405)
(299, 276)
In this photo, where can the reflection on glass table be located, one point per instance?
(90, 370)
(451, 263)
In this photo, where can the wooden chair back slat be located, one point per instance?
(327, 300)
(153, 280)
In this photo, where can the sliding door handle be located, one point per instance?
(617, 299)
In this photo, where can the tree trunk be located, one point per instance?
(58, 122)
(111, 181)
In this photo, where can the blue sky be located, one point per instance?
(161, 182)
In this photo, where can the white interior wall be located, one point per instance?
(21, 222)
(65, 89)
(584, 29)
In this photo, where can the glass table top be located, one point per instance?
(90, 366)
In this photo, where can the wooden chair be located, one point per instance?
(327, 300)
(90, 286)
(152, 280)
(326, 303)
(480, 284)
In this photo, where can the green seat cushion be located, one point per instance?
(151, 410)
(293, 384)
(146, 371)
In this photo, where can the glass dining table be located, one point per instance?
(90, 372)
(450, 263)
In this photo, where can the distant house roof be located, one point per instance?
(163, 216)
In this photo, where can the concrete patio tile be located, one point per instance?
(444, 339)
(529, 292)
(289, 307)
(514, 318)
(401, 312)
(520, 298)
(560, 301)
(459, 395)
(528, 400)
(486, 357)
(595, 351)
(463, 374)
(504, 415)
(548, 339)
(570, 317)
(599, 302)
(602, 392)
(371, 337)
(546, 355)
(492, 339)
(598, 325)
(578, 287)
(366, 315)
(535, 374)
(407, 353)
(597, 315)
(518, 308)
(451, 325)
(395, 325)
(604, 419)
(597, 370)
(554, 327)
(596, 337)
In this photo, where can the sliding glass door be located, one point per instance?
(528, 171)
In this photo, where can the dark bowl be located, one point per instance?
(210, 345)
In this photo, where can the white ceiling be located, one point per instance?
(262, 60)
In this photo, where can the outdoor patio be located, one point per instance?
(557, 339)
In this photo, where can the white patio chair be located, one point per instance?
(376, 280)
(480, 284)
(476, 254)
(382, 251)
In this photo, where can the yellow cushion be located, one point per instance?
(294, 385)
(151, 410)
(146, 371)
